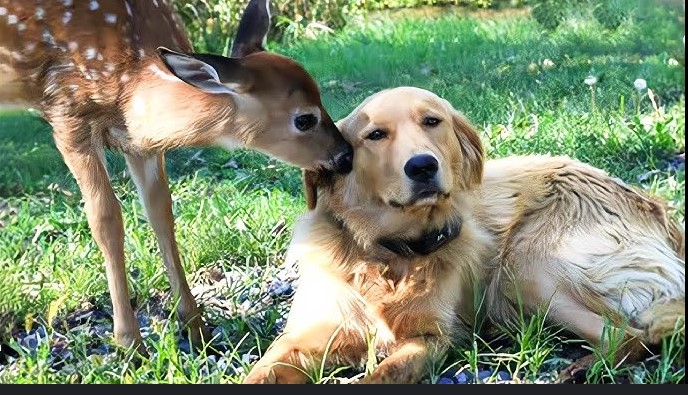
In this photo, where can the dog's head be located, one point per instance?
(414, 155)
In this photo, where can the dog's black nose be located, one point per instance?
(343, 162)
(421, 168)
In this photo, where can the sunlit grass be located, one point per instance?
(521, 86)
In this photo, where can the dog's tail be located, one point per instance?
(662, 319)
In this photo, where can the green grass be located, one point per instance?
(234, 211)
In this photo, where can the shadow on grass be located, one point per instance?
(500, 71)
(30, 162)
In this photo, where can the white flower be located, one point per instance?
(672, 62)
(547, 64)
(590, 80)
(640, 84)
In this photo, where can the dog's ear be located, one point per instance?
(471, 148)
(310, 187)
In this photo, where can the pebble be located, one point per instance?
(185, 346)
(100, 349)
(30, 342)
(248, 358)
(464, 378)
(280, 289)
(484, 375)
(101, 331)
(503, 376)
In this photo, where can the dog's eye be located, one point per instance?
(431, 121)
(305, 122)
(376, 134)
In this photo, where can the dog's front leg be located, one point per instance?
(409, 362)
(285, 362)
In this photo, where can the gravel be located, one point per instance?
(234, 298)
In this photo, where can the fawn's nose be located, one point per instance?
(421, 168)
(343, 162)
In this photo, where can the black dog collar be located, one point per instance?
(426, 244)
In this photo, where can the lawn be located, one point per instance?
(521, 85)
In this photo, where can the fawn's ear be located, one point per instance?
(207, 72)
(253, 29)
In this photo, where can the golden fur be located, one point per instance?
(552, 232)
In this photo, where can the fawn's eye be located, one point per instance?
(431, 121)
(376, 134)
(305, 122)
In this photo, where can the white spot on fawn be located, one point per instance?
(29, 47)
(110, 18)
(93, 5)
(21, 27)
(124, 78)
(90, 53)
(17, 56)
(12, 19)
(73, 46)
(109, 67)
(48, 38)
(66, 17)
(3, 11)
(67, 3)
(40, 13)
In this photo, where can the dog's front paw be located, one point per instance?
(279, 373)
(261, 375)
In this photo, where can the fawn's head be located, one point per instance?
(277, 103)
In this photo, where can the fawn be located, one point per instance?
(121, 75)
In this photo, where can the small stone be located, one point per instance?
(222, 363)
(101, 331)
(503, 376)
(464, 378)
(29, 342)
(484, 375)
(185, 346)
(100, 349)
(246, 305)
(279, 289)
(248, 358)
(40, 332)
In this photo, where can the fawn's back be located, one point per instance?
(79, 54)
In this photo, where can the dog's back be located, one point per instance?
(573, 238)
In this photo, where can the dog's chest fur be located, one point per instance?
(404, 295)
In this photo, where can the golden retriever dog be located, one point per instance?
(395, 255)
